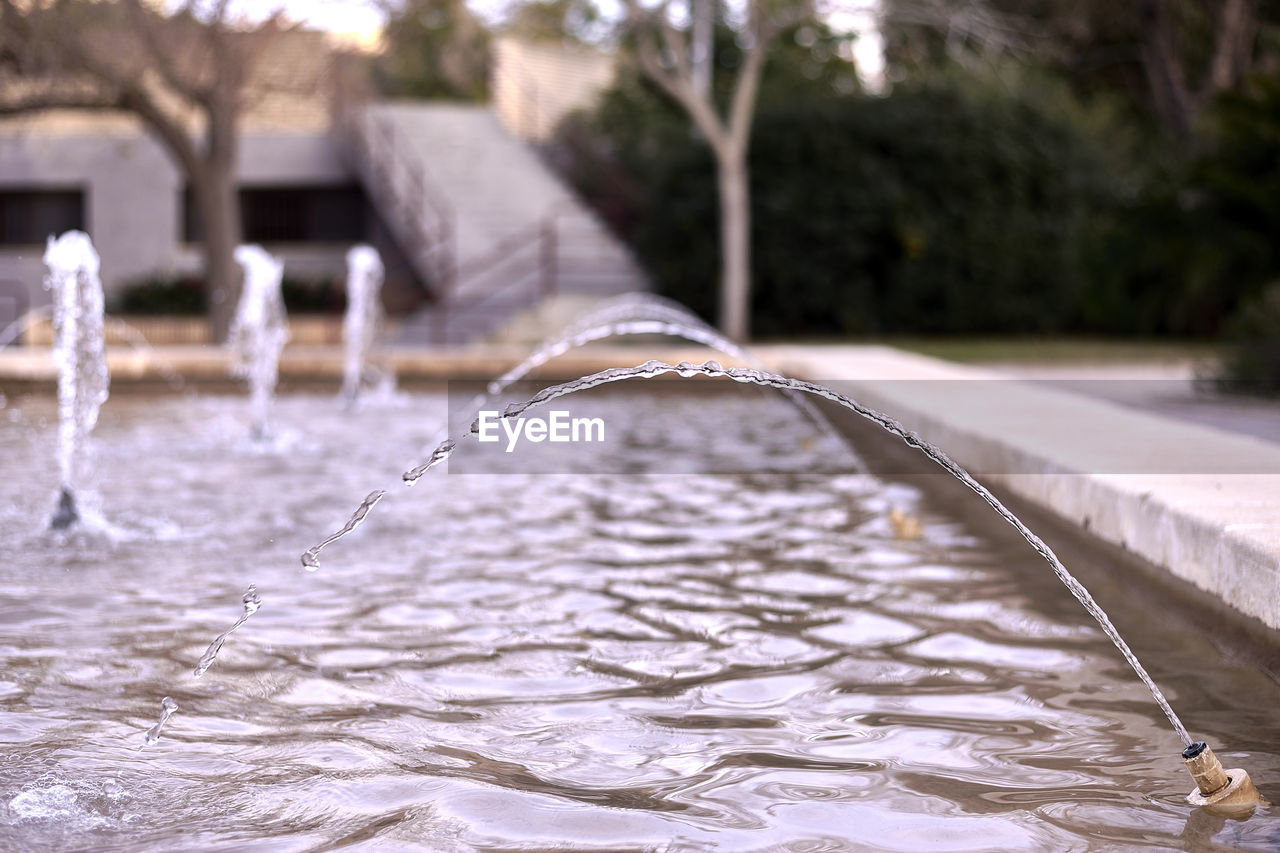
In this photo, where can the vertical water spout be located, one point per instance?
(79, 352)
(364, 316)
(259, 331)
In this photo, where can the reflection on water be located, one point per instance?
(609, 661)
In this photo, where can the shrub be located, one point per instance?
(161, 294)
(185, 296)
(931, 210)
(1252, 364)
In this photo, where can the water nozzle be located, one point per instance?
(1216, 788)
(66, 514)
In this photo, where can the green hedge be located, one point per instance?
(185, 296)
(159, 295)
(1252, 363)
(933, 210)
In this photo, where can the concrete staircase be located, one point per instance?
(484, 221)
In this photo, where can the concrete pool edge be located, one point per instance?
(324, 363)
(1219, 532)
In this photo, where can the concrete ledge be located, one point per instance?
(34, 365)
(1198, 502)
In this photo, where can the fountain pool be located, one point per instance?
(620, 656)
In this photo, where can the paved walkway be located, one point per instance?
(1175, 390)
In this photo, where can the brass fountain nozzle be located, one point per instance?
(1216, 788)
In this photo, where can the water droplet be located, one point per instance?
(251, 603)
(311, 557)
(167, 709)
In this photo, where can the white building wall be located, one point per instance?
(534, 86)
(133, 193)
(131, 196)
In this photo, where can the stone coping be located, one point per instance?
(1198, 502)
(325, 363)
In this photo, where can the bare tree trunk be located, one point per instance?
(1165, 73)
(220, 218)
(735, 245)
(1178, 100)
(220, 215)
(1236, 27)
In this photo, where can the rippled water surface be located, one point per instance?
(632, 660)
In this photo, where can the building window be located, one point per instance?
(330, 214)
(31, 216)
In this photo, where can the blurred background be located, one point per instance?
(953, 175)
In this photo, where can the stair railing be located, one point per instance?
(403, 185)
(425, 211)
(536, 245)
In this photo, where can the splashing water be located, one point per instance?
(756, 376)
(440, 454)
(251, 603)
(259, 331)
(79, 352)
(641, 314)
(629, 314)
(363, 318)
(652, 369)
(311, 559)
(168, 708)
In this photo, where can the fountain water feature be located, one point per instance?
(251, 602)
(592, 328)
(259, 332)
(737, 661)
(363, 319)
(653, 369)
(718, 743)
(628, 314)
(636, 314)
(168, 708)
(79, 352)
(1194, 752)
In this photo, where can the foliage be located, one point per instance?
(161, 294)
(612, 154)
(1198, 242)
(313, 296)
(936, 209)
(571, 21)
(1252, 365)
(434, 49)
(1166, 59)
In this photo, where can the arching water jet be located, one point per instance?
(639, 314)
(1204, 767)
(1209, 779)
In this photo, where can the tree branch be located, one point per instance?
(1236, 25)
(1165, 73)
(679, 87)
(152, 37)
(10, 106)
